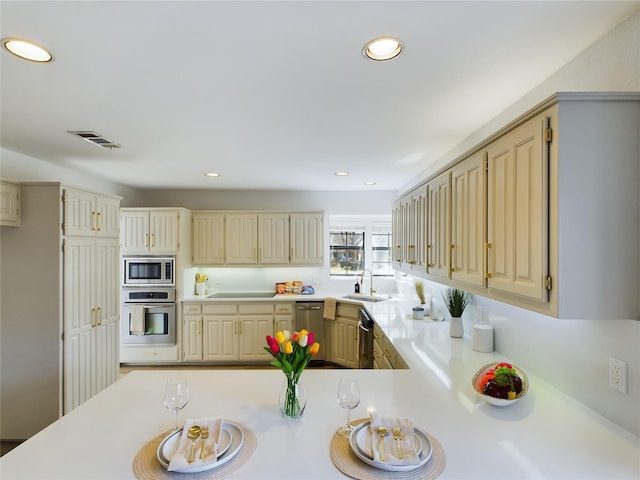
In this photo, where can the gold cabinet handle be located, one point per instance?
(146, 240)
(93, 317)
(99, 313)
(451, 268)
(93, 221)
(99, 221)
(429, 264)
(487, 274)
(412, 254)
(153, 240)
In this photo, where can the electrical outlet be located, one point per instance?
(618, 375)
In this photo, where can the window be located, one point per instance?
(347, 253)
(358, 243)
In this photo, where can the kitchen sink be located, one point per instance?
(367, 298)
(242, 295)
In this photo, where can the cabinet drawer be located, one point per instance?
(257, 307)
(220, 308)
(191, 308)
(348, 310)
(281, 308)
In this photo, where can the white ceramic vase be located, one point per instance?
(456, 329)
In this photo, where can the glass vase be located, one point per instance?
(293, 397)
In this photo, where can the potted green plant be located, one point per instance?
(456, 301)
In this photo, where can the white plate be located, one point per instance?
(363, 440)
(424, 455)
(231, 439)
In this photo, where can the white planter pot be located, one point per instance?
(455, 327)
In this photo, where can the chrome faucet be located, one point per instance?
(371, 289)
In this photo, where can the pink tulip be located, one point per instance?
(311, 339)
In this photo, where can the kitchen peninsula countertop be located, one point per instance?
(546, 435)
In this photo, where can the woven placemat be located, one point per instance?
(147, 467)
(347, 462)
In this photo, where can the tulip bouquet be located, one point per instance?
(292, 352)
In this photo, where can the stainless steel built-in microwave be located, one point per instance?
(141, 271)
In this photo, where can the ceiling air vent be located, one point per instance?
(95, 138)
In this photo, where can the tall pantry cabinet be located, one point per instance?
(60, 303)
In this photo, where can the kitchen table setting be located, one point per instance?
(433, 420)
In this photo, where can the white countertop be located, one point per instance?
(547, 435)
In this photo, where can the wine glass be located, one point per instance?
(349, 398)
(176, 395)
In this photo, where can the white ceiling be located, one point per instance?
(276, 95)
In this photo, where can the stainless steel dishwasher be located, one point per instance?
(310, 316)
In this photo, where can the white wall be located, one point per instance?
(572, 355)
(361, 203)
(22, 168)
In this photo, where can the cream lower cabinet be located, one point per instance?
(283, 317)
(345, 334)
(229, 332)
(385, 356)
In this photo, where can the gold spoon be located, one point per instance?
(193, 434)
(382, 431)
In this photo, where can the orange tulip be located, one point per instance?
(314, 348)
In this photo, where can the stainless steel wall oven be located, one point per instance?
(148, 317)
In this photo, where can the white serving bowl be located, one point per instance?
(499, 402)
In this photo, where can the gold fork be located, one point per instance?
(204, 434)
(397, 437)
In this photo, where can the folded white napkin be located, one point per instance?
(407, 444)
(179, 459)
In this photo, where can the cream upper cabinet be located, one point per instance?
(9, 203)
(150, 231)
(439, 225)
(396, 232)
(89, 215)
(241, 233)
(518, 211)
(306, 238)
(468, 220)
(417, 249)
(273, 238)
(208, 238)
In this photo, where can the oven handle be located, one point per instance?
(362, 327)
(153, 305)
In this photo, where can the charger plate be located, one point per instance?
(147, 467)
(348, 463)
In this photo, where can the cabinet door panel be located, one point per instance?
(307, 239)
(192, 338)
(163, 232)
(468, 220)
(79, 214)
(220, 338)
(107, 216)
(134, 232)
(208, 239)
(273, 239)
(517, 209)
(242, 239)
(439, 204)
(253, 330)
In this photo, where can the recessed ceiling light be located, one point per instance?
(27, 50)
(381, 49)
(341, 174)
(369, 183)
(212, 174)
